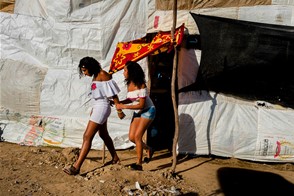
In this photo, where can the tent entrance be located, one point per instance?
(161, 132)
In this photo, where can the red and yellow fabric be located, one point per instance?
(137, 49)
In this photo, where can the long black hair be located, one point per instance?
(91, 64)
(135, 74)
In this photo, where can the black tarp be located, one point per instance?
(253, 61)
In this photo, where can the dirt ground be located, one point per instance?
(30, 171)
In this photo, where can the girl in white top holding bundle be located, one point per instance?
(102, 88)
(144, 110)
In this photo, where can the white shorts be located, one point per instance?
(100, 113)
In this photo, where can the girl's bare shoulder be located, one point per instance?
(132, 87)
(143, 86)
(104, 76)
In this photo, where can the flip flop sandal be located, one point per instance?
(71, 170)
(136, 167)
(148, 159)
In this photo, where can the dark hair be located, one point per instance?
(135, 74)
(91, 64)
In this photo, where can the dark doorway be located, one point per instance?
(161, 132)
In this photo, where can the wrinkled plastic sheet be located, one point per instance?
(43, 100)
(212, 123)
(251, 60)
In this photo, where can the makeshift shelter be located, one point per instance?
(43, 101)
(243, 95)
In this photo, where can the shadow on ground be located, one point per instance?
(236, 181)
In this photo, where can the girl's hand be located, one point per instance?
(119, 106)
(111, 103)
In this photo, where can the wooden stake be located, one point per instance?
(173, 86)
(103, 156)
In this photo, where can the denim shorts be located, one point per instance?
(146, 113)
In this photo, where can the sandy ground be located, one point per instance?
(27, 170)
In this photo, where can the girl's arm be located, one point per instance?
(132, 107)
(126, 101)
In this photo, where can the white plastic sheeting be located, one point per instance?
(279, 12)
(43, 101)
(221, 125)
(212, 123)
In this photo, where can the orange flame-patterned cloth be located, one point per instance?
(137, 49)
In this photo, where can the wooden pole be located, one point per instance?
(173, 86)
(103, 155)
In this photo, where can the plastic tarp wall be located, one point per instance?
(253, 61)
(43, 101)
(160, 12)
(214, 123)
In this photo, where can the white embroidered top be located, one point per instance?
(101, 90)
(135, 95)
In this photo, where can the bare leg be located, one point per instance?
(103, 133)
(89, 134)
(137, 130)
